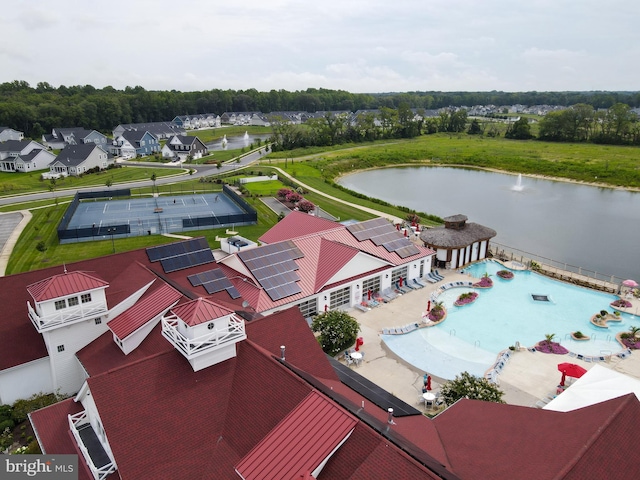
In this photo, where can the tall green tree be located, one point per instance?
(468, 386)
(338, 331)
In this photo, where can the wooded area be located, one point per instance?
(36, 110)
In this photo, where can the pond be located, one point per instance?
(594, 228)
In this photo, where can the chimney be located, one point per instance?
(282, 352)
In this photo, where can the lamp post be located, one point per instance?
(112, 231)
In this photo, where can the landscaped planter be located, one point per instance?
(621, 303)
(551, 347)
(466, 299)
(580, 338)
(485, 282)
(505, 274)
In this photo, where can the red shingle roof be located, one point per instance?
(495, 441)
(200, 311)
(300, 442)
(64, 284)
(145, 309)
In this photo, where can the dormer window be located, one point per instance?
(85, 297)
(60, 304)
(73, 301)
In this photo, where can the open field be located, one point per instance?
(608, 165)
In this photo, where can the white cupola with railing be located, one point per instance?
(65, 299)
(204, 332)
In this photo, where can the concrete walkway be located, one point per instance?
(11, 226)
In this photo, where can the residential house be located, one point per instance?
(237, 118)
(183, 148)
(37, 159)
(60, 137)
(7, 133)
(135, 143)
(11, 150)
(77, 159)
(160, 130)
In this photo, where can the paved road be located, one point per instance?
(199, 171)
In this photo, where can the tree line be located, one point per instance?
(36, 110)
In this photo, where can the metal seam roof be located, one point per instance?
(143, 311)
(300, 442)
(64, 284)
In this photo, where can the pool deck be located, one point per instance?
(526, 378)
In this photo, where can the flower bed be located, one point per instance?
(621, 303)
(466, 299)
(551, 347)
(579, 336)
(628, 341)
(436, 314)
(505, 274)
(485, 282)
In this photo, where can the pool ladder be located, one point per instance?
(452, 332)
(476, 343)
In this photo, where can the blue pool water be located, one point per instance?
(471, 336)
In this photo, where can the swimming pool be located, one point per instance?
(471, 336)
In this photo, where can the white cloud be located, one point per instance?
(359, 45)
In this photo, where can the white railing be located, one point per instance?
(232, 332)
(65, 316)
(75, 421)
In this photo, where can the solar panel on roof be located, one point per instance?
(397, 244)
(407, 251)
(178, 248)
(233, 292)
(369, 228)
(387, 237)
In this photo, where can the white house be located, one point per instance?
(77, 159)
(7, 133)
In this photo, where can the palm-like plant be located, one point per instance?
(634, 331)
(549, 338)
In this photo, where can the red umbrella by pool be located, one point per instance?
(570, 370)
(428, 383)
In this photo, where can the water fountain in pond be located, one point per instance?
(246, 138)
(518, 186)
(224, 141)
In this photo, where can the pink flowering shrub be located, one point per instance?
(305, 206)
(506, 274)
(283, 193)
(436, 313)
(293, 197)
(466, 298)
(485, 282)
(551, 347)
(621, 303)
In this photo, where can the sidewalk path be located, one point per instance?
(372, 211)
(11, 226)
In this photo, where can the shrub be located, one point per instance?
(283, 193)
(306, 206)
(338, 331)
(466, 385)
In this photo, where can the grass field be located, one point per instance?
(16, 183)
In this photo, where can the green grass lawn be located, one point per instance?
(16, 183)
(214, 134)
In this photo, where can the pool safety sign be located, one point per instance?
(50, 467)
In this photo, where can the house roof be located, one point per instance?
(144, 310)
(200, 311)
(16, 145)
(136, 135)
(298, 224)
(20, 342)
(74, 155)
(229, 408)
(65, 284)
(300, 442)
(485, 437)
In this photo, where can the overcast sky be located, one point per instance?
(353, 45)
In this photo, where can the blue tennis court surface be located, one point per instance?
(148, 216)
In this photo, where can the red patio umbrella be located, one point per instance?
(570, 370)
(368, 294)
(400, 281)
(428, 383)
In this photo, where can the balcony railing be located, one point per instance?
(65, 316)
(232, 332)
(98, 460)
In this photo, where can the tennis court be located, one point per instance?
(96, 219)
